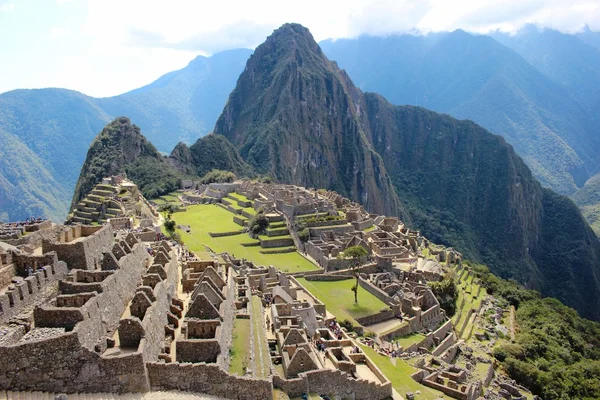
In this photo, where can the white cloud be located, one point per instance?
(115, 45)
(7, 7)
(57, 32)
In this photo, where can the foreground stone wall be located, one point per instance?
(207, 378)
(25, 367)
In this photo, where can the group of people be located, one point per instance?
(335, 328)
(28, 221)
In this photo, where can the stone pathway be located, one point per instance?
(159, 395)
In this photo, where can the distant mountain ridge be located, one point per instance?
(49, 130)
(476, 77)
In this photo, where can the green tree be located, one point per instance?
(446, 292)
(355, 253)
(170, 226)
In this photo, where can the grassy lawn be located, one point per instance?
(399, 375)
(212, 218)
(240, 346)
(339, 298)
(262, 363)
(409, 340)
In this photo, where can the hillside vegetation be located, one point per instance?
(555, 353)
(588, 200)
(120, 147)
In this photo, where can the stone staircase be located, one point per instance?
(98, 206)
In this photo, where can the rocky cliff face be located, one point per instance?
(121, 147)
(296, 116)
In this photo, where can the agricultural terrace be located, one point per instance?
(470, 295)
(212, 218)
(339, 299)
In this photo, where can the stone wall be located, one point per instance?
(30, 290)
(376, 318)
(156, 315)
(24, 367)
(333, 382)
(209, 379)
(450, 340)
(375, 291)
(362, 225)
(6, 274)
(117, 291)
(23, 261)
(267, 244)
(339, 229)
(85, 253)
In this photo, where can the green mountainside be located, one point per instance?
(54, 127)
(26, 186)
(46, 134)
(296, 116)
(121, 147)
(555, 352)
(208, 153)
(476, 77)
(588, 200)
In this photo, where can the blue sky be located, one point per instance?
(107, 47)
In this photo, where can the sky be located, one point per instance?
(108, 47)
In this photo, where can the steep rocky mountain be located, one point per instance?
(476, 77)
(50, 129)
(295, 115)
(121, 147)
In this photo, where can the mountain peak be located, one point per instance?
(296, 117)
(290, 38)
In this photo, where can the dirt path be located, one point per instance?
(512, 322)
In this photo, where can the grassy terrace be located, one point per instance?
(262, 358)
(467, 291)
(339, 299)
(399, 375)
(240, 346)
(167, 198)
(212, 218)
(238, 196)
(409, 340)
